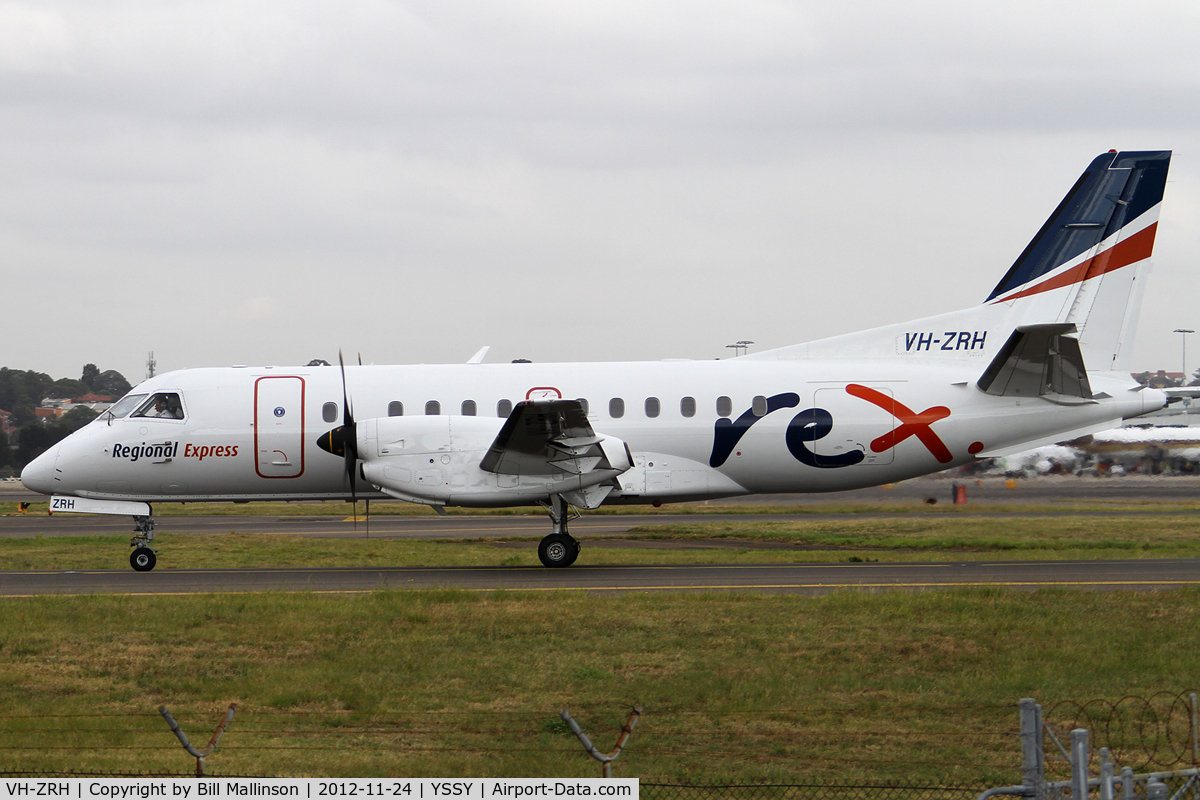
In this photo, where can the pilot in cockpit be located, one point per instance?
(165, 405)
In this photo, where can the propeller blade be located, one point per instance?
(350, 437)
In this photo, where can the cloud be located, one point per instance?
(602, 180)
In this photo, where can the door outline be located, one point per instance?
(299, 438)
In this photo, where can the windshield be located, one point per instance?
(124, 406)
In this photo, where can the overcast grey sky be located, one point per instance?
(267, 182)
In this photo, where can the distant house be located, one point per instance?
(87, 399)
(53, 408)
(1160, 379)
(6, 423)
(96, 402)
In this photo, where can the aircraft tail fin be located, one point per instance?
(1079, 280)
(1085, 266)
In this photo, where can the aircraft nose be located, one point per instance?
(38, 474)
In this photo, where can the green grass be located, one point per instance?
(736, 687)
(918, 687)
(1159, 536)
(906, 538)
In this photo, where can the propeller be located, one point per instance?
(343, 441)
(349, 434)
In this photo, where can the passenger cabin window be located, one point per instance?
(652, 407)
(124, 405)
(504, 409)
(329, 412)
(687, 406)
(468, 408)
(759, 406)
(395, 409)
(724, 406)
(616, 408)
(163, 405)
(433, 408)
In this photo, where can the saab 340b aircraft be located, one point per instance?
(1043, 359)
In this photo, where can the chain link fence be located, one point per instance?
(808, 791)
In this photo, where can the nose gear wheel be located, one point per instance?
(143, 557)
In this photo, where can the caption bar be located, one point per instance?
(405, 788)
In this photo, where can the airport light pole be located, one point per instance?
(1183, 332)
(739, 348)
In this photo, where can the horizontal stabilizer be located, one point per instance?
(1039, 361)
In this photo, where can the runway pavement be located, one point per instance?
(787, 578)
(604, 531)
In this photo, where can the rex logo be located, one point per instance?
(813, 424)
(911, 423)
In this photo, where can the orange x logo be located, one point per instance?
(911, 423)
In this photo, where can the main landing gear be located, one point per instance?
(559, 549)
(144, 557)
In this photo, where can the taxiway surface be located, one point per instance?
(598, 531)
(789, 578)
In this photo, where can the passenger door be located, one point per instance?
(279, 426)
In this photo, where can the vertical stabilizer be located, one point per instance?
(1087, 263)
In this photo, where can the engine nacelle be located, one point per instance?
(435, 460)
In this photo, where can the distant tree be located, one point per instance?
(67, 388)
(5, 453)
(91, 374)
(1195, 378)
(319, 362)
(37, 439)
(76, 418)
(22, 391)
(113, 383)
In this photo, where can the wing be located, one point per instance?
(544, 437)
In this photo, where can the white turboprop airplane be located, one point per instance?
(1043, 359)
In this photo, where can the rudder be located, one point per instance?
(1083, 266)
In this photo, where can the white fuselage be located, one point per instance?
(695, 429)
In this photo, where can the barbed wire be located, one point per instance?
(1138, 731)
(598, 707)
(806, 733)
(1141, 732)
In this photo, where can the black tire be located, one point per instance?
(142, 559)
(558, 550)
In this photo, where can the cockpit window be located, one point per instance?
(163, 405)
(124, 405)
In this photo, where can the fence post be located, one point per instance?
(1127, 783)
(605, 759)
(1106, 775)
(212, 743)
(1032, 767)
(1079, 764)
(1156, 790)
(1195, 732)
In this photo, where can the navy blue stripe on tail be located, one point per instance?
(1113, 191)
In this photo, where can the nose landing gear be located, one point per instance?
(144, 557)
